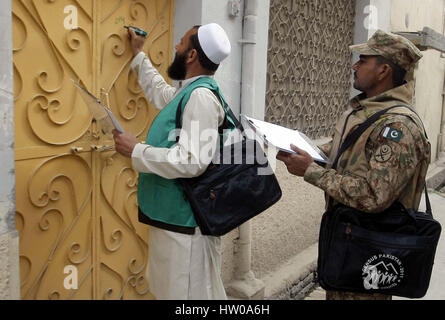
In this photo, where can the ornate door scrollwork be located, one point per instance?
(75, 196)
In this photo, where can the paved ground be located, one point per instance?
(436, 289)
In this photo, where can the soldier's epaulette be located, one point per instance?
(381, 119)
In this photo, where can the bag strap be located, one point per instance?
(225, 107)
(353, 137)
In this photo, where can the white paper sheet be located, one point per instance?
(282, 138)
(100, 112)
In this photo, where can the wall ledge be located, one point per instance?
(294, 278)
(9, 266)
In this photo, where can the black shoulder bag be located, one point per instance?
(391, 252)
(234, 189)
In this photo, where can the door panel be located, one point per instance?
(76, 198)
(54, 222)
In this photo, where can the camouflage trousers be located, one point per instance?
(339, 295)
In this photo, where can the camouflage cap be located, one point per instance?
(396, 48)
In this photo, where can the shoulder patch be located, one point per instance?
(383, 153)
(392, 134)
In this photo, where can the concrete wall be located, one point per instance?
(286, 234)
(290, 226)
(7, 209)
(193, 12)
(198, 12)
(9, 254)
(275, 233)
(370, 15)
(413, 15)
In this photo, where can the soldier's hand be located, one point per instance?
(136, 42)
(296, 163)
(124, 143)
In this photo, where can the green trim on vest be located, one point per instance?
(163, 199)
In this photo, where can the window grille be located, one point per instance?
(309, 63)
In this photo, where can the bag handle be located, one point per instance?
(353, 137)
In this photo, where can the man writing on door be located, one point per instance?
(183, 264)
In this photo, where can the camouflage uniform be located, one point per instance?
(378, 169)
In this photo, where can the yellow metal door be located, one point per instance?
(75, 197)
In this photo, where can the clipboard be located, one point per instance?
(100, 112)
(282, 137)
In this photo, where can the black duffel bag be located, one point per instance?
(391, 252)
(234, 189)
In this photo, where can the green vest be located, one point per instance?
(163, 199)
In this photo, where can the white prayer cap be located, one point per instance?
(214, 42)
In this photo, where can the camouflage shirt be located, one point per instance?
(387, 163)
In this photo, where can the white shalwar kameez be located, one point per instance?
(180, 266)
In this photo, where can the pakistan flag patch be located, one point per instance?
(392, 134)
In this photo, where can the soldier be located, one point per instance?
(389, 161)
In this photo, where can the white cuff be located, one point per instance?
(137, 157)
(137, 60)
